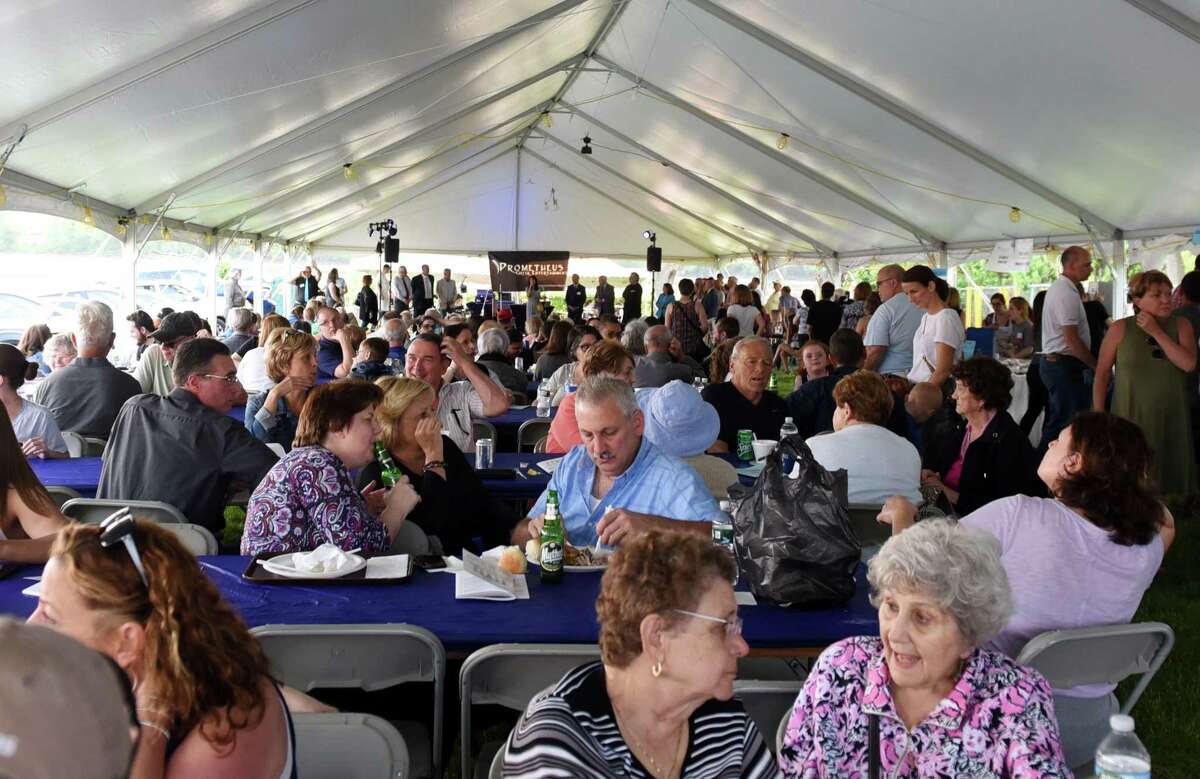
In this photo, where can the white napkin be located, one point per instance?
(549, 465)
(326, 558)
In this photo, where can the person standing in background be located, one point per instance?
(447, 292)
(1067, 364)
(889, 338)
(533, 298)
(368, 305)
(632, 299)
(333, 290)
(402, 289)
(422, 292)
(665, 298)
(385, 288)
(235, 297)
(605, 299)
(576, 299)
(824, 316)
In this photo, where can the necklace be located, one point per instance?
(676, 757)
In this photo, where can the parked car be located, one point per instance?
(17, 313)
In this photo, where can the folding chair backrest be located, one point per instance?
(497, 769)
(781, 733)
(76, 446)
(197, 538)
(510, 675)
(93, 510)
(481, 428)
(277, 449)
(530, 432)
(365, 657)
(93, 447)
(1100, 655)
(61, 495)
(867, 528)
(349, 746)
(767, 701)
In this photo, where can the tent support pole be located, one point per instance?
(129, 259)
(1176, 20)
(895, 108)
(517, 206)
(1120, 284)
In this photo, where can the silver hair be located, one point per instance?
(595, 390)
(393, 329)
(958, 567)
(241, 320)
(634, 337)
(493, 339)
(740, 346)
(59, 344)
(658, 336)
(94, 324)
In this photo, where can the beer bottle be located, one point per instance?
(389, 474)
(551, 562)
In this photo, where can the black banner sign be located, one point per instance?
(511, 270)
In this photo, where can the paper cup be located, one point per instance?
(763, 448)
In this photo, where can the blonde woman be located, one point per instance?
(252, 366)
(455, 508)
(205, 701)
(273, 416)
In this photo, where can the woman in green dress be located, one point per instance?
(1153, 353)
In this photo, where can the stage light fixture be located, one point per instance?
(649, 235)
(587, 145)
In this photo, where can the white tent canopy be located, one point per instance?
(823, 130)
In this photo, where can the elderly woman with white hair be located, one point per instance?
(492, 346)
(60, 351)
(926, 692)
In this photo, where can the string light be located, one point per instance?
(1014, 215)
(547, 119)
(3, 196)
(89, 218)
(349, 172)
(166, 234)
(587, 145)
(782, 142)
(122, 226)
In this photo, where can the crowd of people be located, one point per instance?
(1064, 532)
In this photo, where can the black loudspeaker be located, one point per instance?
(653, 259)
(391, 250)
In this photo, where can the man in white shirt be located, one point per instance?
(1067, 365)
(459, 402)
(401, 290)
(447, 292)
(889, 338)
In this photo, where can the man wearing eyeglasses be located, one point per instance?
(153, 371)
(889, 338)
(183, 449)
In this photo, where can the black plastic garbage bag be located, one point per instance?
(793, 539)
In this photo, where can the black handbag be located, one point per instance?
(793, 539)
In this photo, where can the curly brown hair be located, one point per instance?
(987, 379)
(1113, 488)
(867, 395)
(207, 667)
(283, 348)
(652, 574)
(604, 357)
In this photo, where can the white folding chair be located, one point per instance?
(531, 432)
(76, 446)
(481, 428)
(93, 446)
(767, 701)
(781, 733)
(349, 746)
(92, 510)
(277, 449)
(1101, 655)
(497, 769)
(510, 675)
(365, 657)
(197, 538)
(61, 495)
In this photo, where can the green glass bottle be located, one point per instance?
(389, 474)
(551, 562)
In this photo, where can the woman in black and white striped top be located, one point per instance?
(659, 704)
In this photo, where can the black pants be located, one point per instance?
(1037, 396)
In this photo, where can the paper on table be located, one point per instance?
(744, 598)
(394, 566)
(34, 590)
(482, 579)
(752, 470)
(549, 465)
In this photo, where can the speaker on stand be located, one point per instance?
(654, 265)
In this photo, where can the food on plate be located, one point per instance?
(512, 560)
(533, 550)
(583, 556)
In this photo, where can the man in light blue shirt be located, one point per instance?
(617, 484)
(889, 338)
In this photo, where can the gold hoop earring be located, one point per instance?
(656, 669)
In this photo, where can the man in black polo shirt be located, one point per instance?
(824, 316)
(744, 402)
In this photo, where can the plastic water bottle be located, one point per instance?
(722, 535)
(789, 428)
(543, 401)
(1121, 754)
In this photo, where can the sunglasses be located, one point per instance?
(119, 528)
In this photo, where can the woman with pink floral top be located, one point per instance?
(942, 705)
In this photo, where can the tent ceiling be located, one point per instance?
(910, 122)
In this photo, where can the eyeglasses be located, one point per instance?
(227, 379)
(120, 527)
(733, 626)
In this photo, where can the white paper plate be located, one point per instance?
(282, 566)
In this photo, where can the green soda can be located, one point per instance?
(745, 445)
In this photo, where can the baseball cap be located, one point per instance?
(176, 325)
(67, 710)
(505, 315)
(678, 420)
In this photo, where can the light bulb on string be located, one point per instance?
(547, 119)
(122, 228)
(166, 233)
(782, 142)
(3, 196)
(1014, 215)
(89, 218)
(349, 172)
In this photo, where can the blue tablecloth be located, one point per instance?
(557, 614)
(512, 419)
(81, 474)
(238, 413)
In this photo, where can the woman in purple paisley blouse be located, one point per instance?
(944, 706)
(308, 498)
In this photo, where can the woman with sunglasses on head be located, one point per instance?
(28, 516)
(658, 703)
(205, 702)
(291, 362)
(1154, 353)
